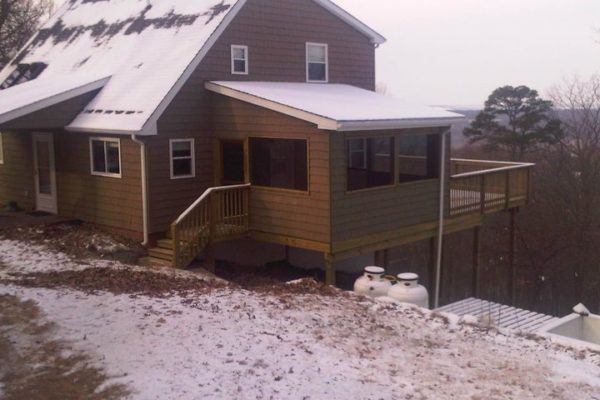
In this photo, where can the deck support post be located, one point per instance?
(511, 256)
(329, 269)
(287, 254)
(476, 261)
(431, 271)
(386, 258)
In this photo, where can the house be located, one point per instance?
(183, 123)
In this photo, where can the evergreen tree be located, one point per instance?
(515, 120)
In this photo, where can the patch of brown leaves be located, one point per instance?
(79, 240)
(117, 281)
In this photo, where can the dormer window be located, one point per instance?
(23, 73)
(239, 60)
(317, 69)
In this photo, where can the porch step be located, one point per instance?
(154, 262)
(163, 254)
(165, 244)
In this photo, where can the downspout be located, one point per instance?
(440, 235)
(144, 187)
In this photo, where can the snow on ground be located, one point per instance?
(237, 344)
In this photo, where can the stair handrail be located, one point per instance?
(205, 200)
(204, 196)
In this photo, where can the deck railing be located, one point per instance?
(221, 212)
(488, 186)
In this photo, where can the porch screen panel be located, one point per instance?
(370, 162)
(279, 163)
(419, 157)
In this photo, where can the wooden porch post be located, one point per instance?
(329, 269)
(511, 257)
(476, 261)
(431, 272)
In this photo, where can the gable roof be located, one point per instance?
(148, 48)
(336, 107)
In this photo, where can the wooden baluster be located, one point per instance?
(482, 194)
(507, 191)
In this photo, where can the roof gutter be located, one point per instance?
(144, 187)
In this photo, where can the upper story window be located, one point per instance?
(182, 158)
(419, 157)
(239, 60)
(317, 68)
(370, 163)
(279, 163)
(1, 150)
(105, 157)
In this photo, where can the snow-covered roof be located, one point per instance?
(336, 107)
(148, 48)
(40, 93)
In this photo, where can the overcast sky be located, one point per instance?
(456, 52)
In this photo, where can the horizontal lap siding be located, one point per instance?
(113, 202)
(275, 32)
(16, 174)
(378, 210)
(295, 214)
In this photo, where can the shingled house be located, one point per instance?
(183, 123)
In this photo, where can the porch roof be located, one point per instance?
(38, 94)
(336, 107)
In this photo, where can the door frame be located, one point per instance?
(45, 202)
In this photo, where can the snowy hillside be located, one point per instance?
(175, 336)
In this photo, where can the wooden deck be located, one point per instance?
(485, 187)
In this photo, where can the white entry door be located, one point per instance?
(44, 173)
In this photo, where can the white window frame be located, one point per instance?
(363, 151)
(326, 46)
(1, 149)
(192, 157)
(106, 140)
(233, 59)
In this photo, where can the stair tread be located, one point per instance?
(165, 244)
(153, 261)
(161, 250)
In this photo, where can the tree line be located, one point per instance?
(558, 235)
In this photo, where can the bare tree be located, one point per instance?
(19, 19)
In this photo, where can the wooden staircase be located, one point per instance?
(221, 213)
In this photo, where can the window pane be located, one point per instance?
(98, 160)
(182, 167)
(317, 53)
(239, 66)
(114, 166)
(43, 165)
(239, 53)
(317, 72)
(279, 163)
(182, 149)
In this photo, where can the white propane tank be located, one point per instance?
(408, 290)
(372, 283)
